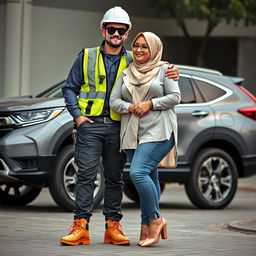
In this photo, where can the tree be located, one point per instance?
(211, 11)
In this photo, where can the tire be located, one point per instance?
(131, 192)
(17, 194)
(62, 185)
(213, 180)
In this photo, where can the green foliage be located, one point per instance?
(213, 11)
(210, 11)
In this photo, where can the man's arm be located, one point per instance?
(72, 88)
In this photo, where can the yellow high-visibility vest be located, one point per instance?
(93, 91)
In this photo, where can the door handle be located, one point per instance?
(200, 113)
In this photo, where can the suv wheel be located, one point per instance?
(17, 194)
(213, 180)
(62, 186)
(131, 192)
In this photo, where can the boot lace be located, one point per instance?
(76, 225)
(116, 227)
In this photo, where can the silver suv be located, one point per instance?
(216, 145)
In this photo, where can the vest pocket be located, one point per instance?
(88, 107)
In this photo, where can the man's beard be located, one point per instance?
(109, 42)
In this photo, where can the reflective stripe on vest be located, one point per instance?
(93, 91)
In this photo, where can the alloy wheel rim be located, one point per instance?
(14, 189)
(70, 178)
(215, 179)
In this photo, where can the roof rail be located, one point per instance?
(199, 69)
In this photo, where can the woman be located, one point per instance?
(146, 100)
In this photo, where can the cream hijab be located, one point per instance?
(143, 74)
(138, 80)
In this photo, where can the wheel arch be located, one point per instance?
(225, 145)
(63, 137)
(223, 138)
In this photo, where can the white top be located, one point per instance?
(161, 121)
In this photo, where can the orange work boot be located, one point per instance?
(78, 233)
(114, 234)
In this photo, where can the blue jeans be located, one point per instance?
(144, 174)
(94, 141)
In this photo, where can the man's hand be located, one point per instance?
(172, 72)
(82, 119)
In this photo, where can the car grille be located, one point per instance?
(2, 168)
(26, 163)
(3, 132)
(6, 125)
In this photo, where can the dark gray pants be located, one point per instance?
(94, 141)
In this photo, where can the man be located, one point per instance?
(92, 77)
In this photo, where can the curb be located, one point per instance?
(248, 226)
(247, 188)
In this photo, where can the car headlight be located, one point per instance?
(25, 118)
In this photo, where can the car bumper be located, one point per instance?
(25, 154)
(30, 171)
(249, 166)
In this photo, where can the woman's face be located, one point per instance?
(140, 49)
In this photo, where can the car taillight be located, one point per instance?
(249, 112)
(246, 92)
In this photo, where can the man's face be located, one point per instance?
(115, 34)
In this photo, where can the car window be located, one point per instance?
(54, 91)
(209, 91)
(54, 94)
(186, 89)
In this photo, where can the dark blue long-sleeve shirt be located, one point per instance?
(76, 77)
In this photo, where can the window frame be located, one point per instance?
(228, 91)
(192, 87)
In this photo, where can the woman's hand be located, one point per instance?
(141, 109)
(132, 107)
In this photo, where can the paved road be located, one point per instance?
(36, 228)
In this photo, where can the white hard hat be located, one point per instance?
(116, 15)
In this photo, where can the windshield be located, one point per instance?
(52, 92)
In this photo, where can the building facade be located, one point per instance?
(40, 39)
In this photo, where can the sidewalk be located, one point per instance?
(243, 226)
(247, 184)
(248, 226)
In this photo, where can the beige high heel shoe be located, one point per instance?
(164, 229)
(157, 228)
(144, 233)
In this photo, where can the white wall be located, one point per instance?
(247, 62)
(57, 36)
(2, 46)
(17, 48)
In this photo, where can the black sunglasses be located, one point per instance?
(112, 30)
